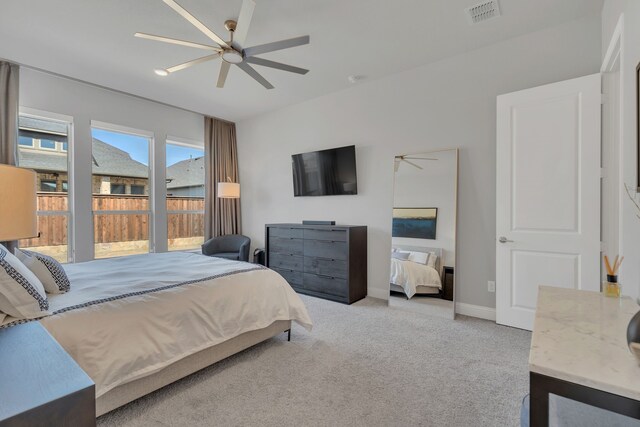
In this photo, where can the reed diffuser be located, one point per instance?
(611, 287)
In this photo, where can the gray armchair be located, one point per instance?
(232, 246)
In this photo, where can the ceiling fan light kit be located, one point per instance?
(231, 52)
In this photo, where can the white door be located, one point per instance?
(548, 194)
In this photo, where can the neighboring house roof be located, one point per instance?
(107, 160)
(111, 161)
(186, 173)
(45, 126)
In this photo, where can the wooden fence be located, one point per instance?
(109, 228)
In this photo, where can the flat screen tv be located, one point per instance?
(325, 173)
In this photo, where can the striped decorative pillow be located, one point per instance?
(47, 269)
(22, 295)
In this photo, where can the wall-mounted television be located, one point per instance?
(325, 173)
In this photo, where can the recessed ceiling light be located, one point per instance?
(161, 72)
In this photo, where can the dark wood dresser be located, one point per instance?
(326, 261)
(40, 384)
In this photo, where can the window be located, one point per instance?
(52, 169)
(137, 189)
(64, 146)
(65, 186)
(121, 220)
(185, 196)
(48, 186)
(117, 189)
(25, 141)
(47, 144)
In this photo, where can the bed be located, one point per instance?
(412, 278)
(138, 323)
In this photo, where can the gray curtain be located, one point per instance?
(221, 216)
(9, 81)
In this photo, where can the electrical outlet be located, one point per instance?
(491, 286)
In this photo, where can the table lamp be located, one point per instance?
(228, 190)
(18, 203)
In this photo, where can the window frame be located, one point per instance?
(187, 143)
(150, 212)
(68, 121)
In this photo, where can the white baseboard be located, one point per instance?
(479, 311)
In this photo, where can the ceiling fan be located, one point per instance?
(404, 158)
(232, 52)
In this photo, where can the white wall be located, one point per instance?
(85, 103)
(451, 103)
(433, 186)
(629, 224)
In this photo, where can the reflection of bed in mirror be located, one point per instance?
(416, 271)
(424, 213)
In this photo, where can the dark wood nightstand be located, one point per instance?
(447, 285)
(41, 384)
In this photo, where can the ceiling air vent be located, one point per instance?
(483, 11)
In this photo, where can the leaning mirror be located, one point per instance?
(423, 257)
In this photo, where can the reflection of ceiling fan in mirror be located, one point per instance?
(407, 159)
(233, 51)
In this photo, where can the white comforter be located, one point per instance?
(409, 275)
(119, 326)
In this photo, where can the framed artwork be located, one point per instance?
(415, 223)
(638, 125)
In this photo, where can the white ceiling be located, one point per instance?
(92, 40)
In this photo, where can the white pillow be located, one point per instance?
(400, 255)
(433, 259)
(47, 270)
(419, 257)
(22, 295)
(427, 258)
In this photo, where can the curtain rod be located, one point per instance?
(51, 73)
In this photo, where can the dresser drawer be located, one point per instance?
(326, 285)
(293, 277)
(333, 235)
(287, 262)
(325, 249)
(326, 267)
(295, 233)
(283, 245)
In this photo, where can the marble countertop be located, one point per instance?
(580, 336)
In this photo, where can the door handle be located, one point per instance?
(503, 239)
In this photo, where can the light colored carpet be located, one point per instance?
(362, 365)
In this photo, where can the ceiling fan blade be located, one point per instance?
(277, 65)
(194, 21)
(244, 20)
(192, 63)
(222, 77)
(176, 41)
(255, 75)
(270, 47)
(412, 164)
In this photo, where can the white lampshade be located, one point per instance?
(17, 203)
(228, 190)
